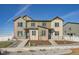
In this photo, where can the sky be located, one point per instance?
(68, 12)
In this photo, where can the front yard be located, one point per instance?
(38, 43)
(4, 44)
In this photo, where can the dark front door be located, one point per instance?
(27, 35)
(49, 35)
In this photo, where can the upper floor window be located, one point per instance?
(20, 24)
(33, 24)
(57, 33)
(56, 24)
(43, 33)
(43, 24)
(33, 32)
(70, 28)
(20, 33)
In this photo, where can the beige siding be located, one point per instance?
(48, 24)
(60, 28)
(16, 28)
(74, 29)
(43, 37)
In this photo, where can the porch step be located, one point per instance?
(22, 44)
(52, 42)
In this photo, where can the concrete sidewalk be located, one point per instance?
(52, 42)
(22, 44)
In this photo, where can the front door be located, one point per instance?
(33, 34)
(49, 34)
(27, 35)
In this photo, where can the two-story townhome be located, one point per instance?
(71, 29)
(27, 28)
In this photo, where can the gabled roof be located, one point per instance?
(43, 27)
(38, 20)
(71, 23)
(57, 17)
(22, 17)
(17, 18)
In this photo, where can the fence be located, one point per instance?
(66, 37)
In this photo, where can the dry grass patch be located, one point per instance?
(4, 44)
(64, 42)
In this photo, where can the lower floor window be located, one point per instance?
(20, 33)
(71, 34)
(33, 32)
(43, 33)
(57, 33)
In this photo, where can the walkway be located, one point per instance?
(22, 44)
(52, 42)
(42, 52)
(41, 47)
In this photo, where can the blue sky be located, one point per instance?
(69, 12)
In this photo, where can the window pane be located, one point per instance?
(57, 33)
(33, 32)
(20, 33)
(70, 28)
(43, 33)
(20, 24)
(43, 24)
(33, 24)
(57, 24)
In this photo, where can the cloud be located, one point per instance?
(20, 12)
(72, 16)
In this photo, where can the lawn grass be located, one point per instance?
(4, 44)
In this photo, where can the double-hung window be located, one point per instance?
(56, 33)
(43, 33)
(32, 24)
(44, 24)
(20, 33)
(20, 24)
(33, 33)
(57, 24)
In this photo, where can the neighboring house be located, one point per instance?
(26, 28)
(71, 28)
